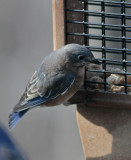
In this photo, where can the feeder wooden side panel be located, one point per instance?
(105, 132)
(58, 23)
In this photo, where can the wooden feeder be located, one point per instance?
(104, 102)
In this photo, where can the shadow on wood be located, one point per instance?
(105, 133)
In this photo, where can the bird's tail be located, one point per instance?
(14, 117)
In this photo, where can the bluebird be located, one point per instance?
(58, 78)
(8, 149)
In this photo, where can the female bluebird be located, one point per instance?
(58, 78)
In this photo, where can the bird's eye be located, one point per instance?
(80, 57)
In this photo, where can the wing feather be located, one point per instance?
(44, 88)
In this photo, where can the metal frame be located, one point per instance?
(61, 23)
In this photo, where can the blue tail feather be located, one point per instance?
(15, 117)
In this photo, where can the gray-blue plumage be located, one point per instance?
(8, 149)
(57, 79)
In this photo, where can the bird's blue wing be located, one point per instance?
(58, 87)
(41, 90)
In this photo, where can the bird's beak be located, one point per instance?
(95, 61)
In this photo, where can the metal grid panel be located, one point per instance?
(104, 27)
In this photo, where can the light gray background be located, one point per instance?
(25, 39)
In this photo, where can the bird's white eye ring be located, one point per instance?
(80, 57)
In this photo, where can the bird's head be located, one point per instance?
(79, 56)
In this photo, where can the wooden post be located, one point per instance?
(58, 23)
(105, 132)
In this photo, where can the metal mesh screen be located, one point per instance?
(104, 27)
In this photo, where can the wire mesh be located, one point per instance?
(104, 27)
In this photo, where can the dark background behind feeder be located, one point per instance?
(25, 39)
